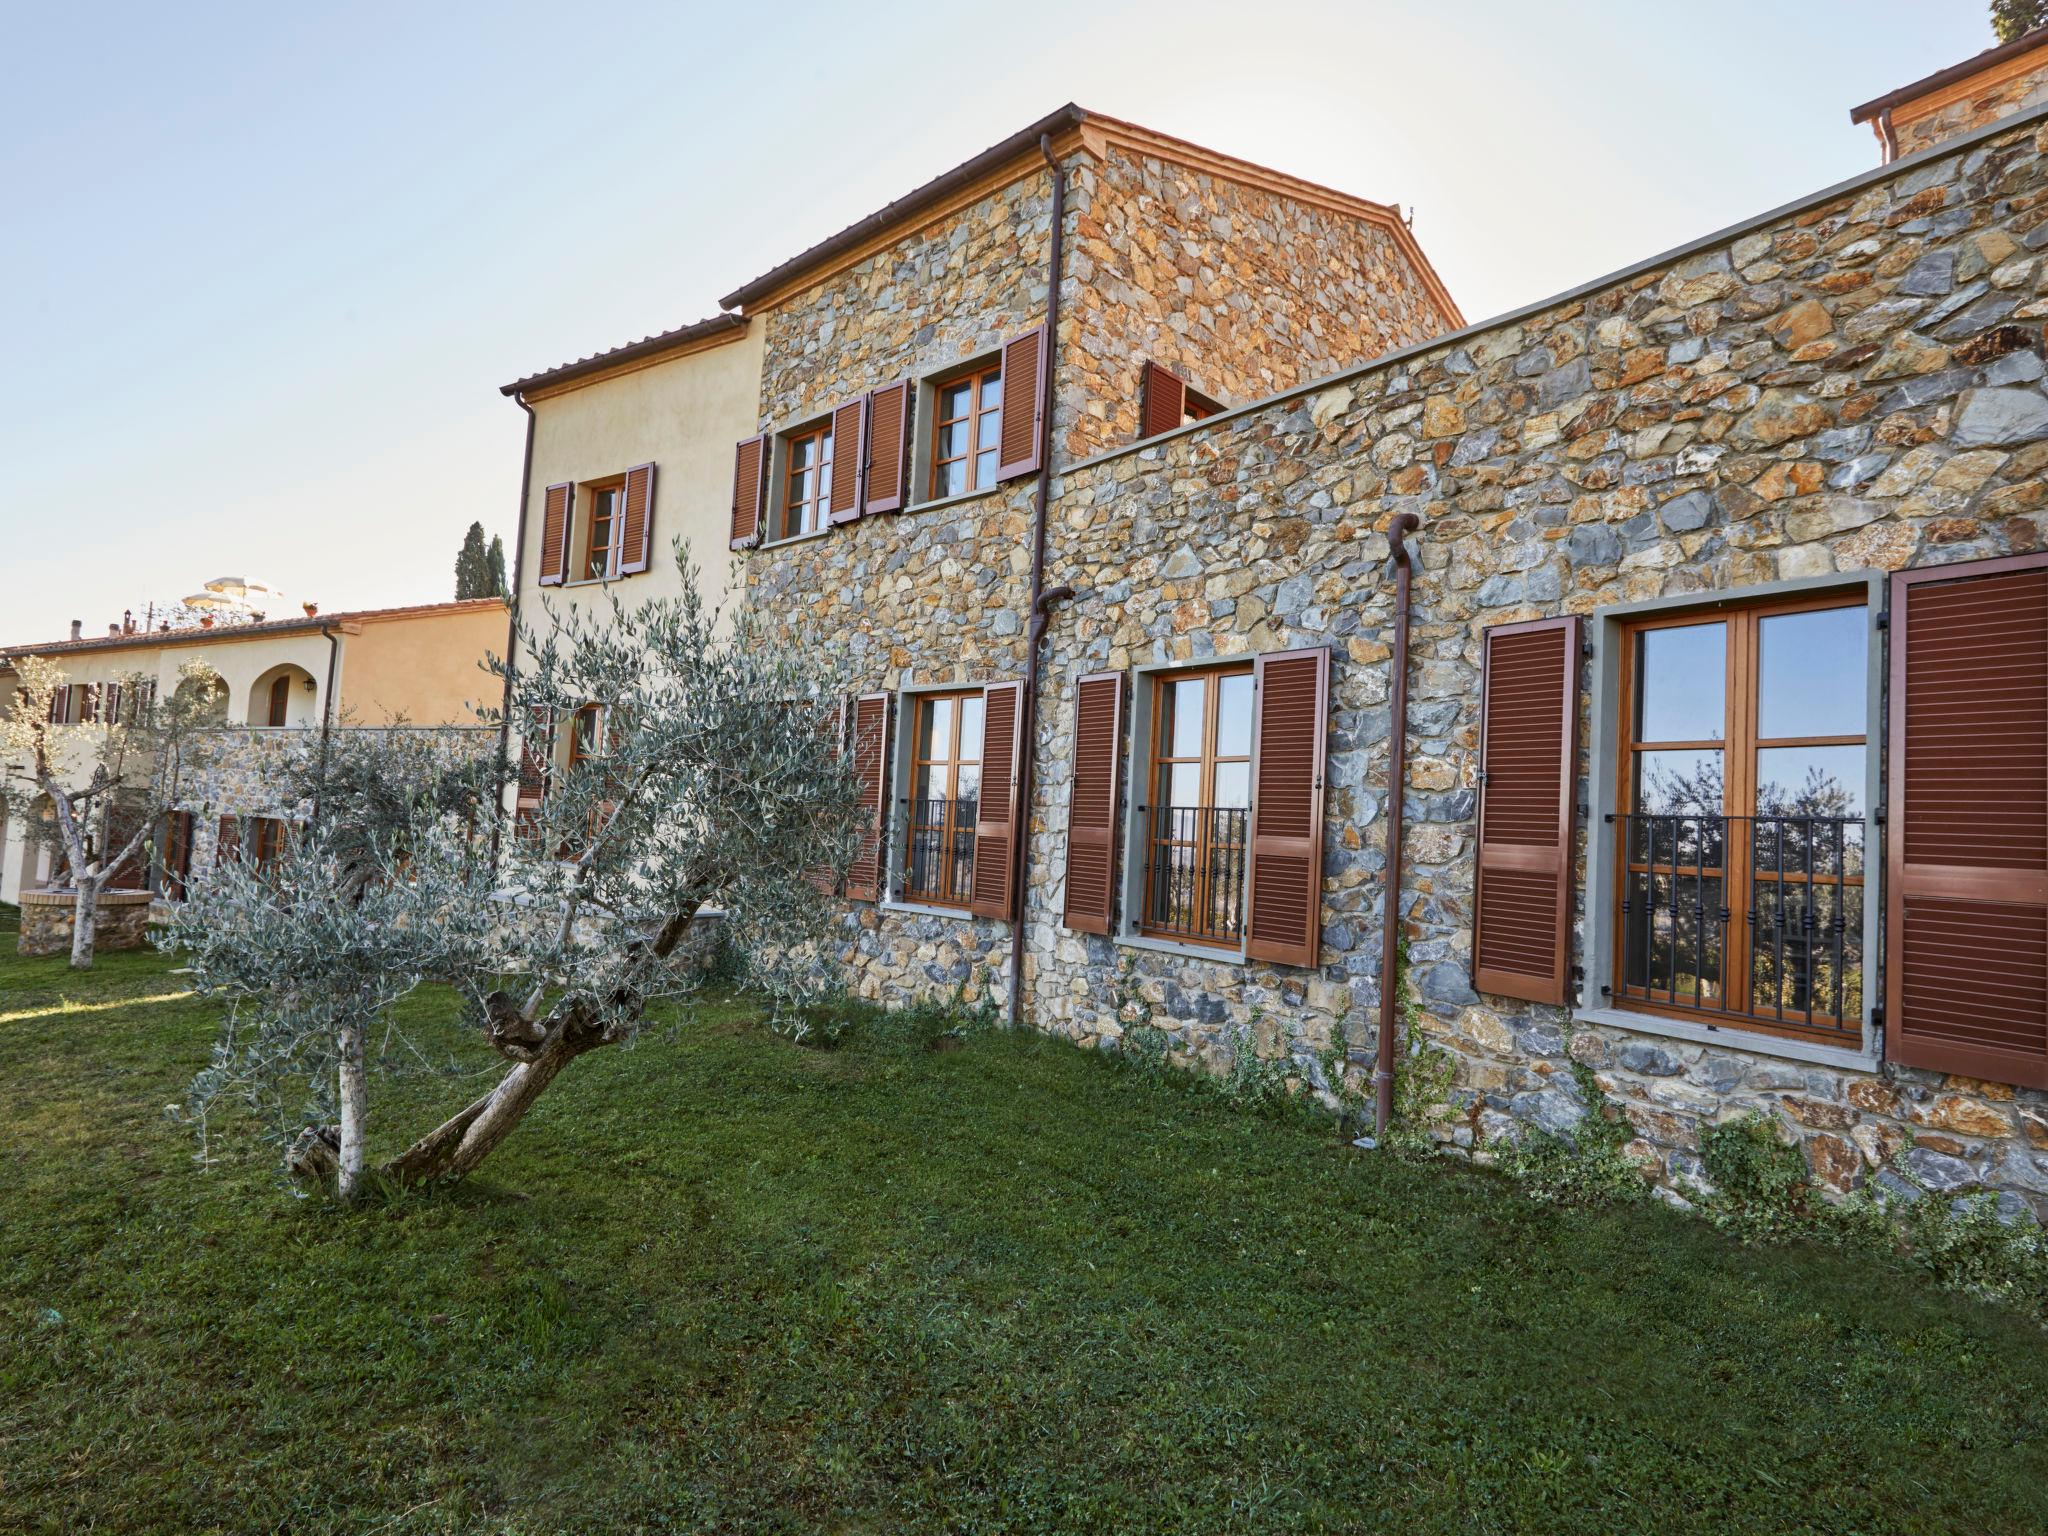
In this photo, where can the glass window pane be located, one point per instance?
(1811, 676)
(969, 780)
(934, 782)
(989, 429)
(800, 452)
(953, 400)
(991, 391)
(939, 720)
(1182, 730)
(1233, 785)
(1810, 781)
(825, 447)
(1683, 782)
(1182, 783)
(1681, 683)
(953, 440)
(1234, 716)
(985, 469)
(971, 710)
(952, 479)
(1674, 941)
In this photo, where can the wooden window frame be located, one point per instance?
(949, 831)
(975, 376)
(587, 546)
(818, 506)
(279, 708)
(1209, 760)
(1738, 746)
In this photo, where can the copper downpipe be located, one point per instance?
(1037, 615)
(1397, 782)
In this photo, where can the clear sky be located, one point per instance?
(264, 266)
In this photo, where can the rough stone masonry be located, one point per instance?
(1854, 385)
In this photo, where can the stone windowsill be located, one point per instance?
(1207, 952)
(926, 909)
(1731, 1038)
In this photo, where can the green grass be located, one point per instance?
(723, 1283)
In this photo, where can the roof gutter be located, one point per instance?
(512, 629)
(1041, 599)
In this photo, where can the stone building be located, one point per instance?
(281, 684)
(2013, 77)
(1726, 730)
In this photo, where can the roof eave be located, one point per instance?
(2026, 42)
(631, 352)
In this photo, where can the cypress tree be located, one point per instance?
(472, 566)
(497, 568)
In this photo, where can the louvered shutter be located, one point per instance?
(556, 504)
(1967, 824)
(536, 754)
(749, 474)
(1091, 802)
(177, 856)
(227, 848)
(824, 879)
(1284, 873)
(888, 476)
(1528, 755)
(1022, 436)
(636, 548)
(996, 816)
(870, 747)
(849, 454)
(1163, 401)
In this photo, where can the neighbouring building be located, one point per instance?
(281, 684)
(1727, 722)
(2001, 81)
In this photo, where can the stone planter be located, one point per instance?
(46, 921)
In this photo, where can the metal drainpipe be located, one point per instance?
(512, 628)
(327, 710)
(1037, 616)
(1887, 135)
(1397, 782)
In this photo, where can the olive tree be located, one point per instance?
(706, 774)
(108, 778)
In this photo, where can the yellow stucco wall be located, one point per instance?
(683, 415)
(424, 668)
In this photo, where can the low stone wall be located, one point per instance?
(47, 921)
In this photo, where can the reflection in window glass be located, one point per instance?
(1682, 683)
(1811, 670)
(1809, 781)
(1678, 782)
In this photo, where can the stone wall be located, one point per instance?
(48, 918)
(1247, 290)
(1997, 95)
(1243, 291)
(1853, 386)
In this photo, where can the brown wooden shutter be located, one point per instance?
(997, 813)
(557, 507)
(227, 848)
(823, 878)
(888, 481)
(749, 476)
(1284, 874)
(1163, 401)
(1966, 864)
(1091, 802)
(870, 747)
(1528, 758)
(637, 546)
(1023, 425)
(849, 452)
(536, 755)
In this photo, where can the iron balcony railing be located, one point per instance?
(1785, 891)
(938, 862)
(1194, 871)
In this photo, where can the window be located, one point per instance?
(967, 428)
(806, 483)
(945, 797)
(604, 534)
(1741, 817)
(267, 838)
(1197, 805)
(177, 855)
(1198, 408)
(280, 700)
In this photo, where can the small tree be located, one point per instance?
(706, 775)
(473, 566)
(496, 562)
(107, 779)
(2012, 19)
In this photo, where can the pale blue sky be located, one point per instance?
(265, 266)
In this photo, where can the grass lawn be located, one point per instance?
(723, 1283)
